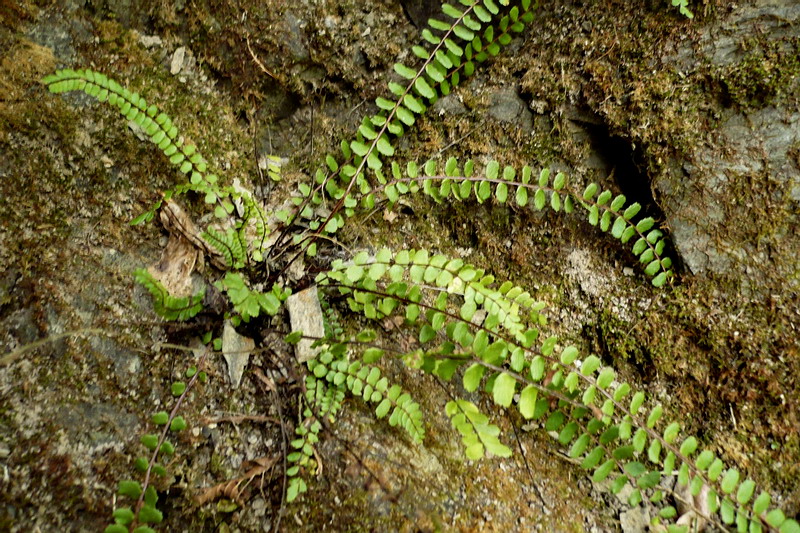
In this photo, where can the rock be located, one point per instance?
(127, 363)
(634, 521)
(732, 203)
(53, 31)
(177, 60)
(507, 106)
(419, 11)
(236, 350)
(150, 41)
(449, 105)
(305, 314)
(293, 33)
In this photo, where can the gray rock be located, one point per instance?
(634, 521)
(732, 205)
(126, 362)
(62, 35)
(177, 60)
(236, 350)
(305, 314)
(507, 106)
(293, 32)
(449, 105)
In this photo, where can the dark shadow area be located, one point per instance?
(627, 164)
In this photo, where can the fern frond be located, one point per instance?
(608, 212)
(477, 434)
(253, 215)
(249, 303)
(600, 421)
(476, 31)
(365, 381)
(322, 402)
(157, 125)
(166, 305)
(332, 374)
(230, 244)
(683, 7)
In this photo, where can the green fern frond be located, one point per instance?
(253, 216)
(366, 382)
(323, 401)
(162, 132)
(600, 421)
(477, 435)
(157, 125)
(274, 164)
(249, 303)
(476, 31)
(166, 305)
(683, 7)
(606, 211)
(230, 244)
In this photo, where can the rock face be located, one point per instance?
(705, 114)
(733, 203)
(734, 208)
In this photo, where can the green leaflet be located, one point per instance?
(504, 388)
(166, 305)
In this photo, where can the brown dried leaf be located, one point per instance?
(232, 489)
(178, 223)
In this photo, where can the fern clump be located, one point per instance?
(603, 423)
(471, 329)
(605, 210)
(467, 35)
(683, 7)
(156, 125)
(249, 303)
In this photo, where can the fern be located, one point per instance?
(144, 511)
(332, 375)
(477, 30)
(231, 245)
(255, 217)
(162, 132)
(477, 434)
(604, 209)
(600, 421)
(322, 403)
(365, 381)
(249, 303)
(167, 306)
(683, 7)
(469, 326)
(158, 126)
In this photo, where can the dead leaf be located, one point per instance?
(389, 216)
(177, 222)
(174, 269)
(232, 489)
(688, 507)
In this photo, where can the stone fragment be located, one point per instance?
(507, 106)
(236, 350)
(177, 60)
(305, 315)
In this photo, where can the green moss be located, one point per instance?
(766, 74)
